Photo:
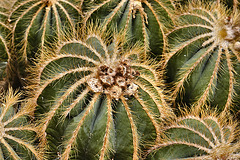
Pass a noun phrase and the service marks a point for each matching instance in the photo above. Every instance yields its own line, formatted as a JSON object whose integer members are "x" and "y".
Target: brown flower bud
{"x": 95, "y": 85}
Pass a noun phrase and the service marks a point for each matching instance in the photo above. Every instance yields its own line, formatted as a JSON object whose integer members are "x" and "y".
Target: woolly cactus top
{"x": 115, "y": 80}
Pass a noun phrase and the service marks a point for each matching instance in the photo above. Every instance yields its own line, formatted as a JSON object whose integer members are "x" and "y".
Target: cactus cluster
{"x": 119, "y": 79}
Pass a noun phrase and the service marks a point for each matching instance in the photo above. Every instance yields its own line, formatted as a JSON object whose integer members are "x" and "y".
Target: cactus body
{"x": 16, "y": 134}
{"x": 39, "y": 22}
{"x": 143, "y": 20}
{"x": 203, "y": 58}
{"x": 5, "y": 31}
{"x": 107, "y": 101}
{"x": 209, "y": 137}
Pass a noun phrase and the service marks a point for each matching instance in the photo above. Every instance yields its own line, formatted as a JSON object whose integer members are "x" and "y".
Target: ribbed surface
{"x": 209, "y": 137}
{"x": 40, "y": 22}
{"x": 84, "y": 122}
{"x": 16, "y": 134}
{"x": 142, "y": 20}
{"x": 203, "y": 58}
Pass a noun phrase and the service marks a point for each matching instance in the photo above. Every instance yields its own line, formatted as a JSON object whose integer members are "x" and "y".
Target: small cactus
{"x": 16, "y": 134}
{"x": 98, "y": 98}
{"x": 203, "y": 57}
{"x": 143, "y": 20}
{"x": 40, "y": 22}
{"x": 208, "y": 136}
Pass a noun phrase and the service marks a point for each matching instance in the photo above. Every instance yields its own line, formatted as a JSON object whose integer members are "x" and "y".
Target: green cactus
{"x": 16, "y": 134}
{"x": 143, "y": 20}
{"x": 5, "y": 31}
{"x": 203, "y": 57}
{"x": 98, "y": 98}
{"x": 209, "y": 137}
{"x": 39, "y": 22}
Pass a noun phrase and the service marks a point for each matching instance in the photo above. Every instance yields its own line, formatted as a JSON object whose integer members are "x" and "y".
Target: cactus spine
{"x": 16, "y": 134}
{"x": 143, "y": 20}
{"x": 208, "y": 137}
{"x": 101, "y": 91}
{"x": 203, "y": 55}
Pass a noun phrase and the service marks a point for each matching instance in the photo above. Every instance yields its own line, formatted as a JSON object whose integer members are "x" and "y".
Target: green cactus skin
{"x": 98, "y": 99}
{"x": 143, "y": 20}
{"x": 191, "y": 137}
{"x": 5, "y": 31}
{"x": 203, "y": 57}
{"x": 16, "y": 134}
{"x": 37, "y": 22}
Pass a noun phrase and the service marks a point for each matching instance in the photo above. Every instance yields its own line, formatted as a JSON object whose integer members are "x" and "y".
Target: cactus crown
{"x": 49, "y": 2}
{"x": 115, "y": 80}
{"x": 93, "y": 77}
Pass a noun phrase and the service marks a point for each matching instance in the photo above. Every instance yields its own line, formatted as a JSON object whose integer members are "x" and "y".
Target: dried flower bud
{"x": 237, "y": 46}
{"x": 120, "y": 81}
{"x": 131, "y": 89}
{"x": 116, "y": 92}
{"x": 95, "y": 85}
{"x": 111, "y": 72}
{"x": 103, "y": 70}
{"x": 106, "y": 79}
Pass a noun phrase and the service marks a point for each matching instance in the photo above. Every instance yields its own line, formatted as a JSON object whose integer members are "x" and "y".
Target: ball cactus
{"x": 203, "y": 57}
{"x": 16, "y": 134}
{"x": 37, "y": 22}
{"x": 108, "y": 100}
{"x": 208, "y": 137}
{"x": 142, "y": 19}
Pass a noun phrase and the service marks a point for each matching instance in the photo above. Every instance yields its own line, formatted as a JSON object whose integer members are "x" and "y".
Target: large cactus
{"x": 195, "y": 137}
{"x": 203, "y": 58}
{"x": 99, "y": 100}
{"x": 16, "y": 134}
{"x": 143, "y": 20}
{"x": 37, "y": 22}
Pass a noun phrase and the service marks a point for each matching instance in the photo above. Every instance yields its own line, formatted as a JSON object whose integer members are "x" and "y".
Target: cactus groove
{"x": 5, "y": 31}
{"x": 101, "y": 92}
{"x": 37, "y": 22}
{"x": 203, "y": 58}
{"x": 143, "y": 20}
{"x": 209, "y": 137}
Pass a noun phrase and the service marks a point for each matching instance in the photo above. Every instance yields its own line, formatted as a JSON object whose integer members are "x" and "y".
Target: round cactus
{"x": 16, "y": 134}
{"x": 143, "y": 20}
{"x": 37, "y": 22}
{"x": 98, "y": 98}
{"x": 208, "y": 137}
{"x": 203, "y": 57}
